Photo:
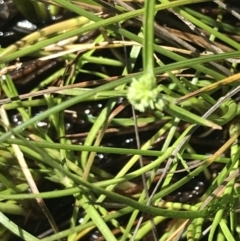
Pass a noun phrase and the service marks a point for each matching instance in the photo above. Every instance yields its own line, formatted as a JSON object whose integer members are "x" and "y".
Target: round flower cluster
{"x": 142, "y": 94}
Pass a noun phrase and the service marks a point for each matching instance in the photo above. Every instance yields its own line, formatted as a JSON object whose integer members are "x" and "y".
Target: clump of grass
{"x": 185, "y": 89}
